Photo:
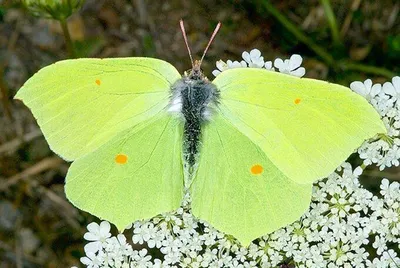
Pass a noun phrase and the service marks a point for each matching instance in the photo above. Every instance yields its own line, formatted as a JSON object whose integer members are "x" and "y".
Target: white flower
{"x": 291, "y": 66}
{"x": 222, "y": 66}
{"x": 379, "y": 244}
{"x": 391, "y": 257}
{"x": 156, "y": 239}
{"x": 393, "y": 89}
{"x": 98, "y": 235}
{"x": 254, "y": 58}
{"x": 268, "y": 66}
{"x": 236, "y": 64}
{"x": 241, "y": 254}
{"x": 141, "y": 258}
{"x": 357, "y": 171}
{"x": 366, "y": 89}
{"x": 92, "y": 261}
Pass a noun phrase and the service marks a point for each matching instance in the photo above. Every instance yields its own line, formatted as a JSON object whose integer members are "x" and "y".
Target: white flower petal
{"x": 268, "y": 65}
{"x": 358, "y": 171}
{"x": 295, "y": 61}
{"x": 396, "y": 82}
{"x": 246, "y": 56}
{"x": 389, "y": 89}
{"x": 91, "y": 236}
{"x": 143, "y": 252}
{"x": 105, "y": 229}
{"x": 299, "y": 72}
{"x": 93, "y": 227}
{"x": 286, "y": 63}
{"x": 255, "y": 54}
{"x": 92, "y": 247}
{"x": 221, "y": 65}
{"x": 375, "y": 90}
{"x": 121, "y": 239}
{"x": 235, "y": 64}
{"x": 368, "y": 84}
{"x": 359, "y": 88}
{"x": 86, "y": 261}
{"x": 216, "y": 72}
{"x": 278, "y": 63}
{"x": 151, "y": 243}
{"x": 258, "y": 63}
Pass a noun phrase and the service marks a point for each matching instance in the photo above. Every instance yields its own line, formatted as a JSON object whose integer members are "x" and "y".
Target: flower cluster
{"x": 385, "y": 150}
{"x": 335, "y": 232}
{"x": 253, "y": 59}
{"x": 346, "y": 225}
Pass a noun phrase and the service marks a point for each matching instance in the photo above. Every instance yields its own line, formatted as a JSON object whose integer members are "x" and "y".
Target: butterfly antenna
{"x": 211, "y": 39}
{"x": 186, "y": 42}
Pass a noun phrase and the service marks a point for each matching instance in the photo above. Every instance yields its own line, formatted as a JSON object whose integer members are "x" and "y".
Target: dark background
{"x": 38, "y": 227}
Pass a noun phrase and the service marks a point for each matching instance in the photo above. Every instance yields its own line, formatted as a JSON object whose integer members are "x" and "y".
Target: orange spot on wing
{"x": 297, "y": 101}
{"x": 121, "y": 159}
{"x": 256, "y": 169}
{"x": 98, "y": 82}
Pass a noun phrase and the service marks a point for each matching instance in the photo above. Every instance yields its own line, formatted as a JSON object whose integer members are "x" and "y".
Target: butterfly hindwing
{"x": 80, "y": 104}
{"x": 136, "y": 175}
{"x": 238, "y": 190}
{"x": 306, "y": 127}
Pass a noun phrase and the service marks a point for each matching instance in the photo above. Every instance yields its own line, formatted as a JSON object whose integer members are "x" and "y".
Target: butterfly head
{"x": 196, "y": 73}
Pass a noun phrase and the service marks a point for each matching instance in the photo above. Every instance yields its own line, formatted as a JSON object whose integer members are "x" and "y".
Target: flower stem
{"x": 330, "y": 16}
{"x": 352, "y": 66}
{"x": 67, "y": 36}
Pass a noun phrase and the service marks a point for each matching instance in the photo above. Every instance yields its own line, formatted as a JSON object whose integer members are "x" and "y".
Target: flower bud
{"x": 54, "y": 9}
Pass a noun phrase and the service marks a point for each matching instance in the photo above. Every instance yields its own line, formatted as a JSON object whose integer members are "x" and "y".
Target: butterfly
{"x": 247, "y": 146}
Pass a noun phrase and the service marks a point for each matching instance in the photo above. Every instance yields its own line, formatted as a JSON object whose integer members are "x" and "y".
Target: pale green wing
{"x": 136, "y": 175}
{"x": 231, "y": 194}
{"x": 80, "y": 104}
{"x": 306, "y": 127}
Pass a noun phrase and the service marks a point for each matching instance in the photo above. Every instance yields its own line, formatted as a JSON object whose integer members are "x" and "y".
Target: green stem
{"x": 297, "y": 32}
{"x": 67, "y": 36}
{"x": 381, "y": 174}
{"x": 321, "y": 52}
{"x": 352, "y": 66}
{"x": 330, "y": 16}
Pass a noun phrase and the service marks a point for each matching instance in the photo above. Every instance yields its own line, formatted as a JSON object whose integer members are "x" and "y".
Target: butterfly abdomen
{"x": 193, "y": 99}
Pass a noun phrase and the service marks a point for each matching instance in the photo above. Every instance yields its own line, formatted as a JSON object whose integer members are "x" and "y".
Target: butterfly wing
{"x": 306, "y": 127}
{"x": 135, "y": 175}
{"x": 80, "y": 104}
{"x": 238, "y": 190}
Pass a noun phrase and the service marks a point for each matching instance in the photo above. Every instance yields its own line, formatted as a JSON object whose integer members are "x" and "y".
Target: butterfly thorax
{"x": 194, "y": 98}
